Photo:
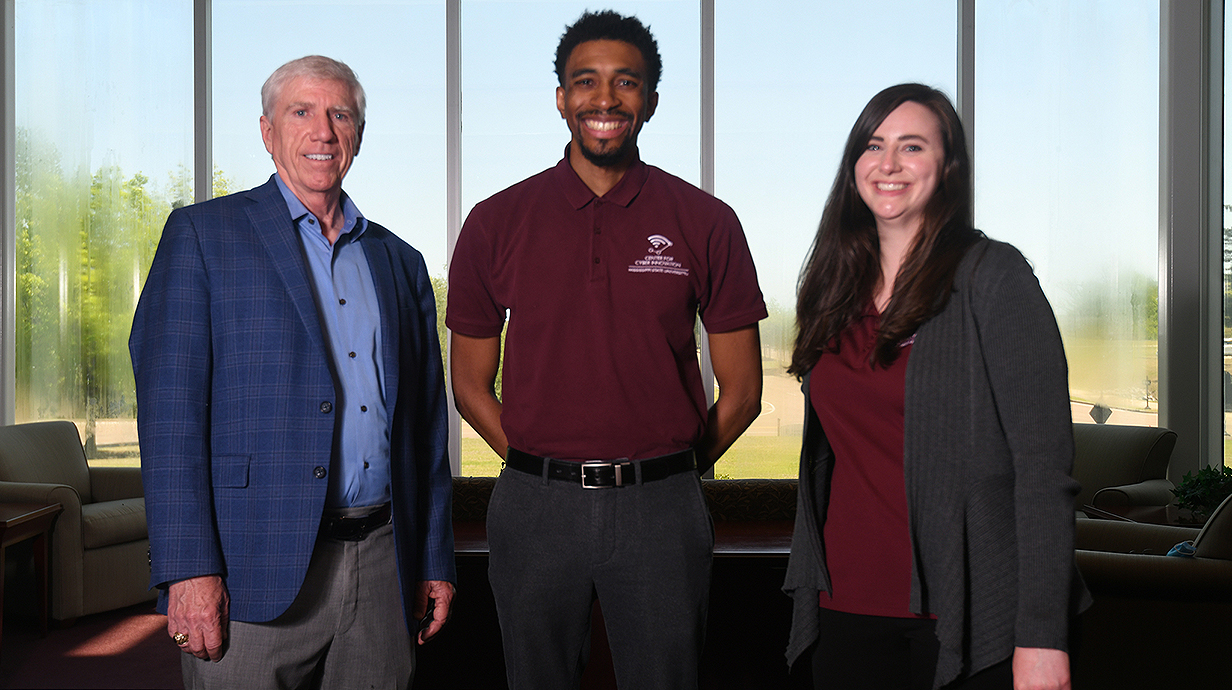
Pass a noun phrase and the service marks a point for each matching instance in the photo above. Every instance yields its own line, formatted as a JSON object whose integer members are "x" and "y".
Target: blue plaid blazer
{"x": 235, "y": 404}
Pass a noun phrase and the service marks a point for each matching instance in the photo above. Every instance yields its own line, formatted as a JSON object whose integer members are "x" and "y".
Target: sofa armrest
{"x": 1156, "y": 577}
{"x": 115, "y": 483}
{"x": 29, "y": 492}
{"x": 1152, "y": 492}
{"x": 1129, "y": 537}
{"x": 67, "y": 551}
{"x": 68, "y": 525}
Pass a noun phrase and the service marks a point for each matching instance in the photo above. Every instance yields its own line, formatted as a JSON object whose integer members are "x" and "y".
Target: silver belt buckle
{"x": 597, "y": 466}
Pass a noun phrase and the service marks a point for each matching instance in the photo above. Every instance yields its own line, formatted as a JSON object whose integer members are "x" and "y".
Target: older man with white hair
{"x": 291, "y": 411}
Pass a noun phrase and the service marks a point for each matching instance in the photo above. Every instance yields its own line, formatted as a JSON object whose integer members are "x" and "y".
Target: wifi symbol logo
{"x": 658, "y": 243}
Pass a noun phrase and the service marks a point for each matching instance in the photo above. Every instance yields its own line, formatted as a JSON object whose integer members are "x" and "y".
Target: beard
{"x": 612, "y": 158}
{"x": 609, "y": 158}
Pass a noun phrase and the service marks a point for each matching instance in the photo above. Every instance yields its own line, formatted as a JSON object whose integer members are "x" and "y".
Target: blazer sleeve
{"x": 431, "y": 451}
{"x": 171, "y": 354}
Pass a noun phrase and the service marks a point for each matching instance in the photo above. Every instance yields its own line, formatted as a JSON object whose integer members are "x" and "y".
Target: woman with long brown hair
{"x": 933, "y": 544}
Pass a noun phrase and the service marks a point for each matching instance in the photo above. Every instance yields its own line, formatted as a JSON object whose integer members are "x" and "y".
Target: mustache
{"x": 613, "y": 112}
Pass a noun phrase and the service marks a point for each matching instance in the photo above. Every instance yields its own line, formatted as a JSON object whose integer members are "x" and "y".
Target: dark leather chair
{"x": 1122, "y": 466}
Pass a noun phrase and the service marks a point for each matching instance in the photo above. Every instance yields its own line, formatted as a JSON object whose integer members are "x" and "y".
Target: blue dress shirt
{"x": 351, "y": 318}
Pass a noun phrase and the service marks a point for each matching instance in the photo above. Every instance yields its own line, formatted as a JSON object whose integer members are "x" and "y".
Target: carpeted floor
{"x": 127, "y": 648}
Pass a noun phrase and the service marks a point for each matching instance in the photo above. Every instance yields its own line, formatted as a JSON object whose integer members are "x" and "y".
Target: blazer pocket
{"x": 230, "y": 471}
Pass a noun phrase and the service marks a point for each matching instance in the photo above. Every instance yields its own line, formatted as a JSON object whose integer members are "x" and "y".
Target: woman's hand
{"x": 1038, "y": 668}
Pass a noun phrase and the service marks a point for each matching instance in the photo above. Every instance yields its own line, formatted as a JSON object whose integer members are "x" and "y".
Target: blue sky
{"x": 1067, "y": 113}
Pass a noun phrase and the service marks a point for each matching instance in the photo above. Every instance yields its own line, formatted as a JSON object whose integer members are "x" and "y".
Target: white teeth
{"x": 890, "y": 187}
{"x": 603, "y": 126}
{"x": 319, "y": 156}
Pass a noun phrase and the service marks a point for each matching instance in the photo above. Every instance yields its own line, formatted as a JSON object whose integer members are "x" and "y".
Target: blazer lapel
{"x": 271, "y": 221}
{"x": 380, "y": 263}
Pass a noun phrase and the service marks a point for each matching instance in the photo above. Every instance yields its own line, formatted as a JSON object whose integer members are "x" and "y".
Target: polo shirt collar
{"x": 578, "y": 194}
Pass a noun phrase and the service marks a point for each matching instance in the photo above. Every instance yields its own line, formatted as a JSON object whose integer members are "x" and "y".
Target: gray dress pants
{"x": 345, "y": 630}
{"x": 645, "y": 550}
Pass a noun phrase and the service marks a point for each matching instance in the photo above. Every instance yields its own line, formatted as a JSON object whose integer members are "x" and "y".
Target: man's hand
{"x": 198, "y": 607}
{"x": 1037, "y": 668}
{"x": 438, "y": 592}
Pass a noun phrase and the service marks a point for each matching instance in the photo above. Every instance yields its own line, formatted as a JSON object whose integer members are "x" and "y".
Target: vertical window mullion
{"x": 706, "y": 146}
{"x": 966, "y": 71}
{"x": 203, "y": 105}
{"x": 453, "y": 188}
{"x": 8, "y": 215}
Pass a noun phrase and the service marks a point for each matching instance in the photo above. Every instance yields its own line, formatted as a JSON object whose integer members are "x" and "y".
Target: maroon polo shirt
{"x": 600, "y": 357}
{"x": 866, "y": 533}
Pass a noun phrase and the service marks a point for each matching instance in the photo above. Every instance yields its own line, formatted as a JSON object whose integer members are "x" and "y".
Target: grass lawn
{"x": 478, "y": 459}
{"x": 749, "y": 457}
{"x": 760, "y": 457}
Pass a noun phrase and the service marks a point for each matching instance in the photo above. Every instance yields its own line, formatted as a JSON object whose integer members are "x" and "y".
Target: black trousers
{"x": 645, "y": 551}
{"x": 856, "y": 652}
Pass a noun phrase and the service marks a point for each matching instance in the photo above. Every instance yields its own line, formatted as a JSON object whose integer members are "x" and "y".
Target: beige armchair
{"x": 1122, "y": 466}
{"x": 100, "y": 545}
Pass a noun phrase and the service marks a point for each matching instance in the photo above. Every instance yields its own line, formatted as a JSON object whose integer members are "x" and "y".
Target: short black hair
{"x": 611, "y": 26}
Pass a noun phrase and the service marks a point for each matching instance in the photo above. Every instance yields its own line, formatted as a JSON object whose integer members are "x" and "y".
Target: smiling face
{"x": 605, "y": 102}
{"x": 313, "y": 134}
{"x": 900, "y": 168}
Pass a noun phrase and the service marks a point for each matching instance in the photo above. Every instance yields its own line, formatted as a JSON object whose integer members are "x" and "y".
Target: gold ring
{"x": 180, "y": 638}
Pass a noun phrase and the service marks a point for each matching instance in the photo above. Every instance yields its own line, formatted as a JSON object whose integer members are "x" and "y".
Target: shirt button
{"x": 596, "y": 259}
{"x": 327, "y": 407}
{"x": 351, "y": 355}
{"x": 318, "y": 472}
{"x": 363, "y": 408}
{"x": 342, "y": 301}
{"x": 365, "y": 465}
{"x": 312, "y": 221}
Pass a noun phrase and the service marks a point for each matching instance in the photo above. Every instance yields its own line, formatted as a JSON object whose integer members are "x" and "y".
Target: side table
{"x": 21, "y": 521}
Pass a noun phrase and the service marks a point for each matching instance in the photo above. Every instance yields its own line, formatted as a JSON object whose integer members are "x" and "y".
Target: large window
{"x": 397, "y": 49}
{"x": 1064, "y": 103}
{"x": 789, "y": 85}
{"x": 1067, "y": 170}
{"x": 103, "y": 113}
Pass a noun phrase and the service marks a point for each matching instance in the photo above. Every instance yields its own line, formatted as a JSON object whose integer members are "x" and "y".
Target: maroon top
{"x": 866, "y": 537}
{"x": 600, "y": 359}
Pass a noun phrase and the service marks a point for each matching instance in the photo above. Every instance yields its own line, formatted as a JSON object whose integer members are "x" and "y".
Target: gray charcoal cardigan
{"x": 988, "y": 446}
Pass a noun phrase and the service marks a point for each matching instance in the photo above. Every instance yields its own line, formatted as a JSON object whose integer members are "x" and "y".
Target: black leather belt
{"x": 355, "y": 528}
{"x": 603, "y": 474}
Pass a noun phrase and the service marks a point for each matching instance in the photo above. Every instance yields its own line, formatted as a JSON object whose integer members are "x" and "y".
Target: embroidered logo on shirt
{"x": 658, "y": 243}
{"x": 656, "y": 262}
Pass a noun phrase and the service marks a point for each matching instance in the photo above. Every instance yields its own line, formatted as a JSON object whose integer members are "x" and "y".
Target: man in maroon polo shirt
{"x": 603, "y": 264}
